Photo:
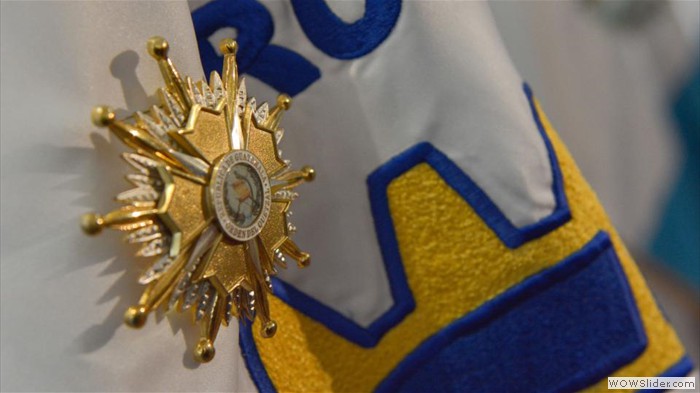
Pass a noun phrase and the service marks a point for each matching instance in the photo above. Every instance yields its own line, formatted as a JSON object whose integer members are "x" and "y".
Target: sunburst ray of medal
{"x": 211, "y": 197}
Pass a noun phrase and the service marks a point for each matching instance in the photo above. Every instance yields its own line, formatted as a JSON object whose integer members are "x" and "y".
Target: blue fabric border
{"x": 366, "y": 337}
{"x": 496, "y": 307}
{"x": 512, "y": 236}
{"x": 377, "y": 183}
{"x": 253, "y": 363}
{"x": 561, "y": 213}
{"x": 404, "y": 304}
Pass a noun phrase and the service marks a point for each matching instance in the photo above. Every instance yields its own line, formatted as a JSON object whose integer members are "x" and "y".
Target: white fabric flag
{"x": 63, "y": 294}
{"x": 608, "y": 88}
{"x": 442, "y": 75}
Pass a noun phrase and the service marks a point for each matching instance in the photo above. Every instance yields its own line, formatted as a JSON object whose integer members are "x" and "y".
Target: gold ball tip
{"x": 305, "y": 260}
{"x": 102, "y": 116}
{"x": 309, "y": 173}
{"x": 136, "y": 316}
{"x": 269, "y": 329}
{"x": 284, "y": 101}
{"x": 158, "y": 47}
{"x": 91, "y": 223}
{"x": 228, "y": 46}
{"x": 204, "y": 352}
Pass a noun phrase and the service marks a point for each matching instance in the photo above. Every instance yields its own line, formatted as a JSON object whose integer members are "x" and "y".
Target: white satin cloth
{"x": 441, "y": 76}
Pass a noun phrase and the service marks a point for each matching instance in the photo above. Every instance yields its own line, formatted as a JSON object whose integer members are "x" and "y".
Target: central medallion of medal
{"x": 240, "y": 194}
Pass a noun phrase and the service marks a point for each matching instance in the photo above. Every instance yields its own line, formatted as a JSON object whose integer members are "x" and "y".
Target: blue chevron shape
{"x": 377, "y": 183}
{"x": 560, "y": 330}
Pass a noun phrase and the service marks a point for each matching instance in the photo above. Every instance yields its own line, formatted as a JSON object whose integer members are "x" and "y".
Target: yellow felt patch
{"x": 454, "y": 263}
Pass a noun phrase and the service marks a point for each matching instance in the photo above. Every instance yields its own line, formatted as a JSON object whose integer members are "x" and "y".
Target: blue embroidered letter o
{"x": 347, "y": 41}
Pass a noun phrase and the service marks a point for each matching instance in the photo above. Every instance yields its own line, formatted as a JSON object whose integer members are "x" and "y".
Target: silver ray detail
{"x": 198, "y": 96}
{"x": 195, "y": 165}
{"x": 145, "y": 234}
{"x": 141, "y": 180}
{"x": 287, "y": 195}
{"x": 268, "y": 281}
{"x": 229, "y": 309}
{"x": 280, "y": 259}
{"x": 154, "y": 128}
{"x": 157, "y": 270}
{"x": 217, "y": 87}
{"x": 165, "y": 120}
{"x": 190, "y": 296}
{"x": 205, "y": 301}
{"x": 204, "y": 243}
{"x": 173, "y": 107}
{"x": 153, "y": 248}
{"x": 236, "y": 133}
{"x": 209, "y": 98}
{"x": 148, "y": 184}
{"x": 252, "y": 104}
{"x": 141, "y": 163}
{"x": 241, "y": 96}
{"x": 138, "y": 194}
{"x": 279, "y": 134}
{"x": 244, "y": 301}
{"x": 262, "y": 112}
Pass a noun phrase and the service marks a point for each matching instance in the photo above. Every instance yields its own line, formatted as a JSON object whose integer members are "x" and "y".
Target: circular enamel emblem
{"x": 240, "y": 194}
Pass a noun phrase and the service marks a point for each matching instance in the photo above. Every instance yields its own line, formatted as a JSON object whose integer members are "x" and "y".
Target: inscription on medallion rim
{"x": 218, "y": 194}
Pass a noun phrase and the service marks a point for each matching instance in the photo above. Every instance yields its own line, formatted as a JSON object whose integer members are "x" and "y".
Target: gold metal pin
{"x": 210, "y": 201}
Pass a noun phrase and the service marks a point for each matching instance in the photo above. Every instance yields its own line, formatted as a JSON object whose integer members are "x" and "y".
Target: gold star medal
{"x": 211, "y": 197}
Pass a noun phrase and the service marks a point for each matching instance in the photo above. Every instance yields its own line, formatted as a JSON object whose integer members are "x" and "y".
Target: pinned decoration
{"x": 211, "y": 197}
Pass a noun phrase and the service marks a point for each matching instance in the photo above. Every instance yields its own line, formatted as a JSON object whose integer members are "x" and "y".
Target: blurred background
{"x": 620, "y": 81}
